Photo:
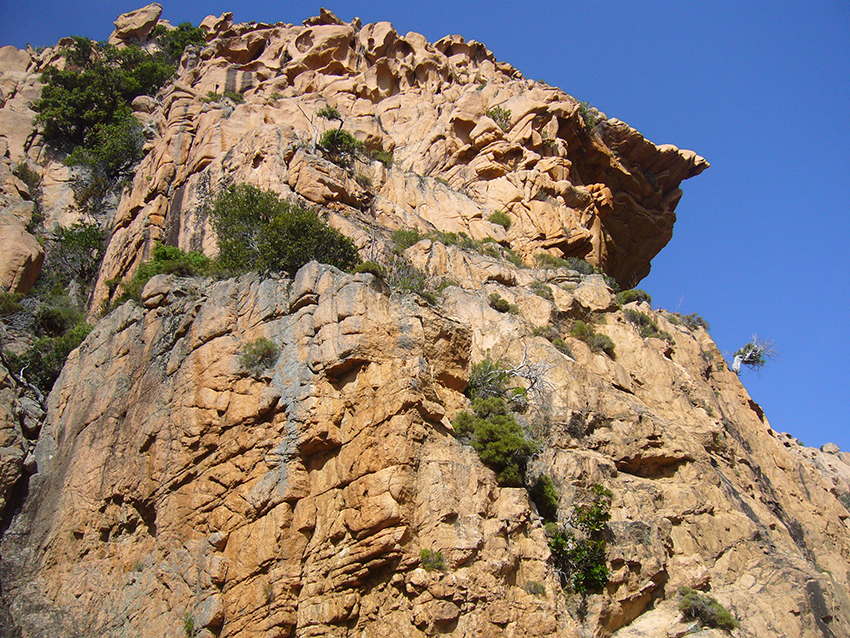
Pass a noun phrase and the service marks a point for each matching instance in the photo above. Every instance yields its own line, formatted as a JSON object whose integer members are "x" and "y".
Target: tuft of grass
{"x": 542, "y": 290}
{"x": 404, "y": 238}
{"x": 535, "y": 588}
{"x": 330, "y": 113}
{"x": 597, "y": 342}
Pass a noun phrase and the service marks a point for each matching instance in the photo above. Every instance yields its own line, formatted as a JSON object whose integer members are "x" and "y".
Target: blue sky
{"x": 760, "y": 89}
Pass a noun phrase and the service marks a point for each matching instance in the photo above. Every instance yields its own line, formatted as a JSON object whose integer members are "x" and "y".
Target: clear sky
{"x": 760, "y": 89}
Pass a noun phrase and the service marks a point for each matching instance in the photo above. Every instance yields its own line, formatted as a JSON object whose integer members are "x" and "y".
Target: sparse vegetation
{"x": 10, "y": 303}
{"x": 706, "y": 609}
{"x": 372, "y": 268}
{"x": 259, "y": 355}
{"x": 598, "y": 342}
{"x": 404, "y": 238}
{"x": 646, "y": 326}
{"x": 384, "y": 157}
{"x": 692, "y": 321}
{"x": 500, "y": 304}
{"x": 542, "y": 290}
{"x": 754, "y": 355}
{"x": 535, "y": 588}
{"x": 501, "y": 116}
{"x": 590, "y": 119}
{"x": 545, "y": 260}
{"x": 340, "y": 147}
{"x": 634, "y": 294}
{"x": 165, "y": 260}
{"x": 43, "y": 361}
{"x": 501, "y": 218}
{"x": 432, "y": 561}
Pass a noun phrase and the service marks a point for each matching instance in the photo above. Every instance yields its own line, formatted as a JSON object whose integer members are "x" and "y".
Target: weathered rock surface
{"x": 172, "y": 492}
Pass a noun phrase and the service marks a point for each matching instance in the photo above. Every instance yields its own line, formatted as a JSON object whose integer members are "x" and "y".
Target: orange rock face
{"x": 173, "y": 489}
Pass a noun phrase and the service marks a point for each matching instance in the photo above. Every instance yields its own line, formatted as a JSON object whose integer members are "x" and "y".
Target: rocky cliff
{"x": 164, "y": 489}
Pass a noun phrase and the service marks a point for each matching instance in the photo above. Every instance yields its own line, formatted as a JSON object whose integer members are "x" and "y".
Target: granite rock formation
{"x": 166, "y": 488}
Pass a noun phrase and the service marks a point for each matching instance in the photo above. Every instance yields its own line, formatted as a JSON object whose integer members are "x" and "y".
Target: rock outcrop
{"x": 176, "y": 489}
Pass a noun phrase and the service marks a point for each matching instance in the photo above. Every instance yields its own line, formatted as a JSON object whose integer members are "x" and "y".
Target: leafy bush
{"x": 500, "y": 304}
{"x": 96, "y": 89}
{"x": 340, "y": 147}
{"x": 42, "y": 363}
{"x": 500, "y": 441}
{"x": 404, "y": 238}
{"x": 172, "y": 42}
{"x": 635, "y": 294}
{"x": 706, "y": 609}
{"x": 330, "y": 113}
{"x": 258, "y": 231}
{"x": 259, "y": 355}
{"x": 432, "y": 561}
{"x": 502, "y": 117}
{"x": 578, "y": 551}
{"x": 563, "y": 346}
{"x": 545, "y": 496}
{"x": 487, "y": 379}
{"x": 501, "y": 218}
{"x": 445, "y": 283}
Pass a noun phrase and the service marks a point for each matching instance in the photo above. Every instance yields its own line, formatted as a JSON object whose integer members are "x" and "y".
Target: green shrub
{"x": 500, "y": 304}
{"x": 340, "y": 147}
{"x": 502, "y": 117}
{"x": 501, "y": 218}
{"x": 461, "y": 240}
{"x": 643, "y": 322}
{"x": 602, "y": 343}
{"x": 693, "y": 321}
{"x": 33, "y": 181}
{"x": 542, "y": 290}
{"x": 384, "y": 157}
{"x": 547, "y": 332}
{"x": 487, "y": 379}
{"x": 372, "y": 268}
{"x": 404, "y": 277}
{"x": 172, "y": 42}
{"x": 432, "y": 561}
{"x": 563, "y": 346}
{"x": 535, "y": 588}
{"x": 443, "y": 181}
{"x": 258, "y": 231}
{"x": 635, "y": 294}
{"x": 43, "y": 361}
{"x": 404, "y": 238}
{"x": 597, "y": 342}
{"x": 330, "y": 113}
{"x": 545, "y": 496}
{"x": 188, "y": 624}
{"x": 166, "y": 260}
{"x": 500, "y": 441}
{"x": 579, "y": 553}
{"x": 259, "y": 355}
{"x": 588, "y": 116}
{"x": 706, "y": 609}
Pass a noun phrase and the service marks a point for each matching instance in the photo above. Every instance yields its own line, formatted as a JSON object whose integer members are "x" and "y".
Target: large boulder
{"x": 136, "y": 25}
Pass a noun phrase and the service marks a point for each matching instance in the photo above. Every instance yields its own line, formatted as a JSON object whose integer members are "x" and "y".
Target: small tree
{"x": 753, "y": 355}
